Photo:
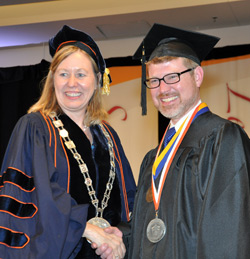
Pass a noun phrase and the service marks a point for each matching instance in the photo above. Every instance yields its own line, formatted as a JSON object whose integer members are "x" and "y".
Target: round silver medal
{"x": 100, "y": 222}
{"x": 156, "y": 230}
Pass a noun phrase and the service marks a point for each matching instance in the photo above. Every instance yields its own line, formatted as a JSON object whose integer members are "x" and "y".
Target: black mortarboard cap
{"x": 163, "y": 40}
{"x": 70, "y": 36}
{"x": 193, "y": 45}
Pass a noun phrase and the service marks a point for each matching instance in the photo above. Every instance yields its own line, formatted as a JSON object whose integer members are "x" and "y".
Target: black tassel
{"x": 143, "y": 86}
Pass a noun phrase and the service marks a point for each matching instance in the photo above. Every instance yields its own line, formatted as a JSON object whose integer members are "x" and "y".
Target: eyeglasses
{"x": 169, "y": 79}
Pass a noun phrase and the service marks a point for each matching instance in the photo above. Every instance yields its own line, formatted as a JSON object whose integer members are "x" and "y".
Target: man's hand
{"x": 107, "y": 242}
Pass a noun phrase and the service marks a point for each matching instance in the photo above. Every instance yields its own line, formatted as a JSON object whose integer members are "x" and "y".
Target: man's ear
{"x": 198, "y": 75}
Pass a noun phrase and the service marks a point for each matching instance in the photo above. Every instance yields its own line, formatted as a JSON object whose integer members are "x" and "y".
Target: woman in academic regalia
{"x": 65, "y": 176}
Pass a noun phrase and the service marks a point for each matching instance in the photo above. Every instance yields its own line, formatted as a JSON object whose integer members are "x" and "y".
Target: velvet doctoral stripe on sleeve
{"x": 38, "y": 217}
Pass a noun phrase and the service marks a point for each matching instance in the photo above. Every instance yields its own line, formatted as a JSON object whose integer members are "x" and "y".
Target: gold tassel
{"x": 106, "y": 82}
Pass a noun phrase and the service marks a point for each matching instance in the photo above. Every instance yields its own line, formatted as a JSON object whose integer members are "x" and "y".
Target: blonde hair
{"x": 47, "y": 103}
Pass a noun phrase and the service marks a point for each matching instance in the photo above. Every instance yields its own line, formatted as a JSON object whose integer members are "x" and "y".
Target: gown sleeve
{"x": 223, "y": 230}
{"x": 38, "y": 217}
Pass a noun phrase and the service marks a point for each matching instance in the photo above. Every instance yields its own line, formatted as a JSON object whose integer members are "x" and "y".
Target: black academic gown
{"x": 205, "y": 202}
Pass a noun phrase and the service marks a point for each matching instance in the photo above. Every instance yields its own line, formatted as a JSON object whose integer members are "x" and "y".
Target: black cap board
{"x": 183, "y": 43}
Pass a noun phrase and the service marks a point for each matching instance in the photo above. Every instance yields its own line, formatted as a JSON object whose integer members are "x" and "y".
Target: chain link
{"x": 83, "y": 167}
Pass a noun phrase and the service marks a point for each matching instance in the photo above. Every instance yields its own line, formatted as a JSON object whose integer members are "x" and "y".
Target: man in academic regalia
{"x": 193, "y": 197}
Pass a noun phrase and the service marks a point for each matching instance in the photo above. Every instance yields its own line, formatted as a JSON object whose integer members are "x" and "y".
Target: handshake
{"x": 107, "y": 241}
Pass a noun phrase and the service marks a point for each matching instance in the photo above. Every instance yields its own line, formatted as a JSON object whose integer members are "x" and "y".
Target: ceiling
{"x": 25, "y": 22}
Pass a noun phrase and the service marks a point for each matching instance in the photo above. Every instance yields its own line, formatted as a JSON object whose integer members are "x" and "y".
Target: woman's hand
{"x": 108, "y": 242}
